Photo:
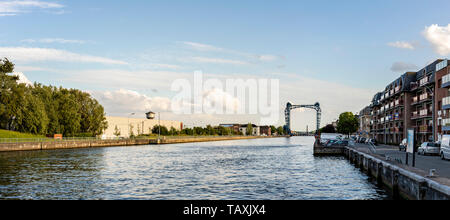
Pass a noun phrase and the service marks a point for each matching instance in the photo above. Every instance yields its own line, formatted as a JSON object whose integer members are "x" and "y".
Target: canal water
{"x": 261, "y": 169}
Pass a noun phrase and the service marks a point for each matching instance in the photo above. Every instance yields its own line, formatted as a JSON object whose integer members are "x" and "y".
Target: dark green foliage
{"x": 40, "y": 109}
{"x": 347, "y": 124}
{"x": 281, "y": 131}
{"x": 249, "y": 130}
{"x": 164, "y": 130}
{"x": 328, "y": 129}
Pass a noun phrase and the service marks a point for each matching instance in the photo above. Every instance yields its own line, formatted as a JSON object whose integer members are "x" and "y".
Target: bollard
{"x": 395, "y": 188}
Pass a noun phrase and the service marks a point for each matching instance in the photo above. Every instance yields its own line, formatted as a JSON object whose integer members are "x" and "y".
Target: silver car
{"x": 429, "y": 148}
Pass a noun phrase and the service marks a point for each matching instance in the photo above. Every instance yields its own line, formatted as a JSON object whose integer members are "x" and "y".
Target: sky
{"x": 128, "y": 53}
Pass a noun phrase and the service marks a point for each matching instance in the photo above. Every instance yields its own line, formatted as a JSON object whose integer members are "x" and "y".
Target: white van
{"x": 445, "y": 147}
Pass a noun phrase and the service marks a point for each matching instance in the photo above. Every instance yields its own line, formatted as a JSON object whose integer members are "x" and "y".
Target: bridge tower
{"x": 290, "y": 107}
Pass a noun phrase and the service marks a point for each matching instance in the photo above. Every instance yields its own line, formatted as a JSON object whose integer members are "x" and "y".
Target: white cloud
{"x": 202, "y": 47}
{"x": 124, "y": 101}
{"x": 163, "y": 66}
{"x": 54, "y": 40}
{"x": 267, "y": 58}
{"x": 218, "y": 97}
{"x": 210, "y": 48}
{"x": 11, "y": 8}
{"x": 218, "y": 61}
{"x": 402, "y": 45}
{"x": 26, "y": 54}
{"x": 22, "y": 78}
{"x": 439, "y": 37}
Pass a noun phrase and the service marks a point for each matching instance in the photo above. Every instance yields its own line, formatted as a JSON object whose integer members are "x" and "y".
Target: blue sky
{"x": 345, "y": 45}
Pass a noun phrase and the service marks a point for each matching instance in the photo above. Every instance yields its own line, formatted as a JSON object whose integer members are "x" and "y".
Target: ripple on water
{"x": 258, "y": 169}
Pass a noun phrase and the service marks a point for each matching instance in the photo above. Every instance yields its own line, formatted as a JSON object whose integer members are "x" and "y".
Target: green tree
{"x": 347, "y": 124}
{"x": 328, "y": 129}
{"x": 280, "y": 131}
{"x": 46, "y": 109}
{"x": 210, "y": 130}
{"x": 273, "y": 129}
{"x": 249, "y": 130}
{"x": 173, "y": 131}
{"x": 131, "y": 132}
{"x": 223, "y": 131}
{"x": 34, "y": 117}
{"x": 164, "y": 130}
{"x": 116, "y": 131}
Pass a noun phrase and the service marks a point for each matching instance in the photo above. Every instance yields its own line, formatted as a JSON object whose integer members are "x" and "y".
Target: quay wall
{"x": 52, "y": 145}
{"x": 320, "y": 150}
{"x": 403, "y": 183}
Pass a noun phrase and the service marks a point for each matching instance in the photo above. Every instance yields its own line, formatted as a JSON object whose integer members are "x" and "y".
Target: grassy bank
{"x": 14, "y": 134}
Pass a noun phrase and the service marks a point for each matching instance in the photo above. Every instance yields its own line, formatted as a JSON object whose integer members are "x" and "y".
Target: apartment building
{"x": 442, "y": 105}
{"x": 410, "y": 102}
{"x": 365, "y": 117}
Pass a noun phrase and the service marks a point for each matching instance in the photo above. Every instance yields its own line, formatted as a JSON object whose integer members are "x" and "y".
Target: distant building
{"x": 265, "y": 130}
{"x": 136, "y": 126}
{"x": 233, "y": 127}
{"x": 255, "y": 130}
{"x": 365, "y": 117}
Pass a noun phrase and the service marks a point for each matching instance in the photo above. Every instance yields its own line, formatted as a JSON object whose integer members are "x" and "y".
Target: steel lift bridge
{"x": 290, "y": 107}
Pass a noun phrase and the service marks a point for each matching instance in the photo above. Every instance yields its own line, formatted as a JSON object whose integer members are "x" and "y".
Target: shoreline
{"x": 74, "y": 144}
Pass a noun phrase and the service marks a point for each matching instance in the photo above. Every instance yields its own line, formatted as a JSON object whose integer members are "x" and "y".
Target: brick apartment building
{"x": 408, "y": 102}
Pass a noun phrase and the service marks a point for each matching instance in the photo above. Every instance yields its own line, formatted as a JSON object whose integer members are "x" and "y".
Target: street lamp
{"x": 151, "y": 115}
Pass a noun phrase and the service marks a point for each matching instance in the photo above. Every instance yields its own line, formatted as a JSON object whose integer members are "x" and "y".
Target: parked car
{"x": 362, "y": 140}
{"x": 428, "y": 148}
{"x": 445, "y": 147}
{"x": 341, "y": 143}
{"x": 403, "y": 145}
{"x": 331, "y": 142}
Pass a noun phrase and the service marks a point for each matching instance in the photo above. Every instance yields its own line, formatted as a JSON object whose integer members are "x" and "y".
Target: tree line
{"x": 209, "y": 130}
{"x": 47, "y": 110}
{"x": 347, "y": 124}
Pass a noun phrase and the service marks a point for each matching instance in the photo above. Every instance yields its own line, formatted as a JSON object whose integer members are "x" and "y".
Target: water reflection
{"x": 245, "y": 169}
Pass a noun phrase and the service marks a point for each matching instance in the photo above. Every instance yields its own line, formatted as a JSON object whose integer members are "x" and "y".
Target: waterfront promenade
{"x": 422, "y": 166}
{"x": 405, "y": 181}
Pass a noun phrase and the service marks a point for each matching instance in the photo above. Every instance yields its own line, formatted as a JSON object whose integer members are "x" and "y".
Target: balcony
{"x": 446, "y": 124}
{"x": 446, "y": 103}
{"x": 424, "y": 113}
{"x": 424, "y": 97}
{"x": 398, "y": 103}
{"x": 425, "y": 81}
{"x": 415, "y": 100}
{"x": 446, "y": 81}
{"x": 397, "y": 89}
{"x": 425, "y": 129}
